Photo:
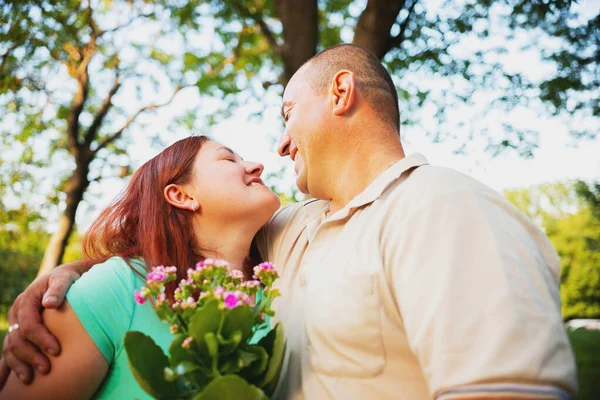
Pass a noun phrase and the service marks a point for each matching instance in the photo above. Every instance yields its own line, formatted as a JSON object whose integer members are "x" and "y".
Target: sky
{"x": 558, "y": 158}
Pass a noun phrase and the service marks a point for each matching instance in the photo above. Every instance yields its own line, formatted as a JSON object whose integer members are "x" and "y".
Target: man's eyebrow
{"x": 233, "y": 153}
{"x": 283, "y": 106}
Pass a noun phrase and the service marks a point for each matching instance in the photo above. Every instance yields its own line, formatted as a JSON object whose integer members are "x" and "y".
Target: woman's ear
{"x": 343, "y": 87}
{"x": 178, "y": 197}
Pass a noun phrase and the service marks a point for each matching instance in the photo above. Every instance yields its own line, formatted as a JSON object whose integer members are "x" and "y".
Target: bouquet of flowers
{"x": 214, "y": 317}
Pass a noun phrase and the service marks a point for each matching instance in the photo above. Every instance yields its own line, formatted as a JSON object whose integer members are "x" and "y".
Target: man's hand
{"x": 21, "y": 348}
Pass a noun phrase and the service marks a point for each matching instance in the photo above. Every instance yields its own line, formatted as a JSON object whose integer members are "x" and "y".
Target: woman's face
{"x": 229, "y": 188}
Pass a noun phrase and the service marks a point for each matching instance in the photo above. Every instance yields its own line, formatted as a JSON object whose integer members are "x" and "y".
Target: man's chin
{"x": 301, "y": 184}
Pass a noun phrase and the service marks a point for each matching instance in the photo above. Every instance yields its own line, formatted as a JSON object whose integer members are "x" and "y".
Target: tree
{"x": 421, "y": 44}
{"x": 569, "y": 215}
{"x": 82, "y": 125}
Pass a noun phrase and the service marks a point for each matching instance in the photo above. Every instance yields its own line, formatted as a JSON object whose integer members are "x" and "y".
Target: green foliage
{"x": 62, "y": 69}
{"x": 205, "y": 371}
{"x": 218, "y": 352}
{"x": 230, "y": 387}
{"x": 274, "y": 342}
{"x": 586, "y": 346}
{"x": 148, "y": 362}
{"x": 89, "y": 51}
{"x": 23, "y": 239}
{"x": 22, "y": 243}
{"x": 3, "y": 328}
{"x": 251, "y": 54}
{"x": 568, "y": 213}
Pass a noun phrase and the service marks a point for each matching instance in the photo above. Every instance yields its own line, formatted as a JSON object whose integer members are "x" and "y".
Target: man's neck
{"x": 363, "y": 161}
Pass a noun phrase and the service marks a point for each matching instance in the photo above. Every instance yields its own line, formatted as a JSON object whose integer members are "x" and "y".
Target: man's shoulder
{"x": 297, "y": 212}
{"x": 429, "y": 184}
{"x": 286, "y": 225}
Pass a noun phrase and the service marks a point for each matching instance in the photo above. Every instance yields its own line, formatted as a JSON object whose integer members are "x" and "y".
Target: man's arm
{"x": 21, "y": 348}
{"x": 476, "y": 290}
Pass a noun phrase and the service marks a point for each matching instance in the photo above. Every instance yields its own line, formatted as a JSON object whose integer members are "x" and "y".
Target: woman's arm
{"x": 21, "y": 348}
{"x": 76, "y": 374}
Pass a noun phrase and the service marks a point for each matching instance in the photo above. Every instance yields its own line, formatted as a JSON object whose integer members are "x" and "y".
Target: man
{"x": 400, "y": 280}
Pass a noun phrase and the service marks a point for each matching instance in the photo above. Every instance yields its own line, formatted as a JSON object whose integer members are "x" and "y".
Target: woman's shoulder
{"x": 115, "y": 270}
{"x": 112, "y": 281}
{"x": 121, "y": 265}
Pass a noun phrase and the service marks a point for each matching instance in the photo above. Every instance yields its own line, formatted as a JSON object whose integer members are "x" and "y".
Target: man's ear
{"x": 178, "y": 197}
{"x": 343, "y": 91}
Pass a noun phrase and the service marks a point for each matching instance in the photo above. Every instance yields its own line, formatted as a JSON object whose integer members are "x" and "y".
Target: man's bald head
{"x": 374, "y": 81}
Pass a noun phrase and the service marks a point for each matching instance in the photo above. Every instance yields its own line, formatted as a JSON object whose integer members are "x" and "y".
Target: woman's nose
{"x": 253, "y": 168}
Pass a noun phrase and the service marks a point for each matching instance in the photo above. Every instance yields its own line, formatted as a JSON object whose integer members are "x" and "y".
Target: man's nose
{"x": 283, "y": 147}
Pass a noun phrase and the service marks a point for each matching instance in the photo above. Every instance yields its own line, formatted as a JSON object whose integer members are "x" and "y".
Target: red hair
{"x": 140, "y": 223}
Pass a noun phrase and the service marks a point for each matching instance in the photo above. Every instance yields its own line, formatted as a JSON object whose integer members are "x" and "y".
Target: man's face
{"x": 305, "y": 114}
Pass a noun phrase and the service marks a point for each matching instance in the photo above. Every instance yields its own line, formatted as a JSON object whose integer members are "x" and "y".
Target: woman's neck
{"x": 237, "y": 255}
{"x": 226, "y": 242}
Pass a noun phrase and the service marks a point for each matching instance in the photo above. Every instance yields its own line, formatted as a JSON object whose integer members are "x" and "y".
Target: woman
{"x": 196, "y": 199}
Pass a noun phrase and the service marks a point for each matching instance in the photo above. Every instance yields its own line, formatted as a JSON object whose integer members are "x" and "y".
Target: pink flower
{"x": 266, "y": 266}
{"x": 237, "y": 274}
{"x": 231, "y": 301}
{"x": 218, "y": 291}
{"x": 187, "y": 342}
{"x": 157, "y": 276}
{"x": 243, "y": 297}
{"x": 188, "y": 303}
{"x": 160, "y": 299}
{"x": 174, "y": 328}
{"x": 139, "y": 297}
{"x": 250, "y": 284}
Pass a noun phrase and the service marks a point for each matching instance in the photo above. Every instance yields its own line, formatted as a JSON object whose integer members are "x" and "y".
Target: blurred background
{"x": 504, "y": 90}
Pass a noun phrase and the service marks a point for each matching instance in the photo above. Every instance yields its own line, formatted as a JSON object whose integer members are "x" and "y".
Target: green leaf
{"x": 229, "y": 345}
{"x": 212, "y": 344}
{"x": 178, "y": 354}
{"x": 274, "y": 343}
{"x": 259, "y": 361}
{"x": 239, "y": 319}
{"x": 249, "y": 362}
{"x": 230, "y": 387}
{"x": 148, "y": 362}
{"x": 187, "y": 367}
{"x": 205, "y": 319}
{"x": 235, "y": 362}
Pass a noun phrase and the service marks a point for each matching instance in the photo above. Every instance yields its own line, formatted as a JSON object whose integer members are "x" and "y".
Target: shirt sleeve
{"x": 477, "y": 290}
{"x": 103, "y": 302}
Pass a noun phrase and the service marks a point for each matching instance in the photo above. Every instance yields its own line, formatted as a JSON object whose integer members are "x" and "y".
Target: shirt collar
{"x": 389, "y": 176}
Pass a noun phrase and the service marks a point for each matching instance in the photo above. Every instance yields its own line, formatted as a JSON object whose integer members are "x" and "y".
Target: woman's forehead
{"x": 212, "y": 147}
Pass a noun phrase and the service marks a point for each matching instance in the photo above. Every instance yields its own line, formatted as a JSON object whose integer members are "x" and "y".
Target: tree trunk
{"x": 300, "y": 31}
{"x": 374, "y": 24}
{"x": 76, "y": 186}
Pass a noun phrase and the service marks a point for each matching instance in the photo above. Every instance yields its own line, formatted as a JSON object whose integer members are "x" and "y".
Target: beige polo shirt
{"x": 427, "y": 284}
